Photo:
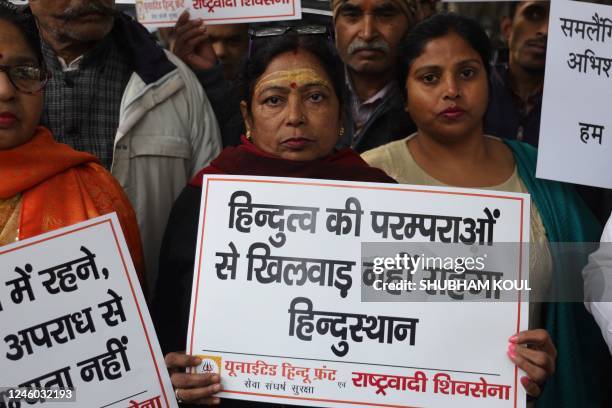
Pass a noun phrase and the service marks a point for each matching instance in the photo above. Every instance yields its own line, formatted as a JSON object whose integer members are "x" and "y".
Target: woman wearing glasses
{"x": 291, "y": 87}
{"x": 445, "y": 72}
{"x": 44, "y": 185}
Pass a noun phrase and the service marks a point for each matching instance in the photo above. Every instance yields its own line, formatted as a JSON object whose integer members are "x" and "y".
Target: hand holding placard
{"x": 192, "y": 388}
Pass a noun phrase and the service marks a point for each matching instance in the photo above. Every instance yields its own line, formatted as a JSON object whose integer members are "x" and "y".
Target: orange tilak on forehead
{"x": 292, "y": 78}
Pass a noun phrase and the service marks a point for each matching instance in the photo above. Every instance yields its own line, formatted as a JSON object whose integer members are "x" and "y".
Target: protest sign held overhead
{"x": 165, "y": 13}
{"x": 74, "y": 323}
{"x": 286, "y": 321}
{"x": 575, "y": 144}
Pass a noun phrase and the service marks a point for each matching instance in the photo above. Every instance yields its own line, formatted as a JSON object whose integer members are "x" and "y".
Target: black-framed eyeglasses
{"x": 26, "y": 78}
{"x": 263, "y": 32}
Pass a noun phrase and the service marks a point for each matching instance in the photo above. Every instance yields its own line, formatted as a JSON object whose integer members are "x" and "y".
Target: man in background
{"x": 214, "y": 53}
{"x": 230, "y": 43}
{"x": 114, "y": 93}
{"x": 368, "y": 35}
{"x": 515, "y": 98}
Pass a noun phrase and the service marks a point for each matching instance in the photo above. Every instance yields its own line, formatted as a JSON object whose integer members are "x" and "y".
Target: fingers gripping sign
{"x": 533, "y": 352}
{"x": 192, "y": 388}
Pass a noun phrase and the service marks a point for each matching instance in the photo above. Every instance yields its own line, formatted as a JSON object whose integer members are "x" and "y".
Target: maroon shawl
{"x": 248, "y": 160}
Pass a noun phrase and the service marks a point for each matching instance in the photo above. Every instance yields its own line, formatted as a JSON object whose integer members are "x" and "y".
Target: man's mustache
{"x": 376, "y": 45}
{"x": 91, "y": 7}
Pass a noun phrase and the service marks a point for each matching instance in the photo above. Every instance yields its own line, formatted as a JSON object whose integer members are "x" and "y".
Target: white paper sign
{"x": 159, "y": 13}
{"x": 73, "y": 318}
{"x": 275, "y": 253}
{"x": 165, "y": 13}
{"x": 576, "y": 128}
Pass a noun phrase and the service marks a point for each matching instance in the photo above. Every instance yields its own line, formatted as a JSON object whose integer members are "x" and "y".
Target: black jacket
{"x": 389, "y": 122}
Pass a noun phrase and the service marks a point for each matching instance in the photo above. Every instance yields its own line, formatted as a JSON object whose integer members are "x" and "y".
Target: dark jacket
{"x": 388, "y": 122}
{"x": 504, "y": 117}
{"x": 225, "y": 102}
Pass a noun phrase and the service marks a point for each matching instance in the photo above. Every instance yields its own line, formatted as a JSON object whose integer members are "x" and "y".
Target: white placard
{"x": 159, "y": 13}
{"x": 165, "y": 13}
{"x": 246, "y": 324}
{"x": 576, "y": 127}
{"x": 72, "y": 315}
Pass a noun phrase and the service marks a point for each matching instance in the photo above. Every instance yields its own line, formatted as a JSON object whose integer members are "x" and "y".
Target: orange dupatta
{"x": 60, "y": 187}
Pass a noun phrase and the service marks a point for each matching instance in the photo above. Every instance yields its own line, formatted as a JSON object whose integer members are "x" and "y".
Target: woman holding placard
{"x": 292, "y": 87}
{"x": 445, "y": 70}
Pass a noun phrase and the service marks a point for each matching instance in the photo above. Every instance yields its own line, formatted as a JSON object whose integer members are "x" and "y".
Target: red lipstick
{"x": 7, "y": 120}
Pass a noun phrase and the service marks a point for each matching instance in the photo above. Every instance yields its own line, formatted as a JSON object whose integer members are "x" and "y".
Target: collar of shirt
{"x": 93, "y": 56}
{"x": 73, "y": 66}
{"x": 361, "y": 111}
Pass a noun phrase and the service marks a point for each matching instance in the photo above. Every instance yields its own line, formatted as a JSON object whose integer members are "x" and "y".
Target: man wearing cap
{"x": 368, "y": 34}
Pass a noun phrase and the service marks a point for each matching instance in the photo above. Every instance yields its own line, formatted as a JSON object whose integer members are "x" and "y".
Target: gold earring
{"x": 248, "y": 135}
{"x": 341, "y": 132}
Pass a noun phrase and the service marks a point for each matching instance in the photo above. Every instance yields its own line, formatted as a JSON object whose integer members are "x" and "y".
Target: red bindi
{"x": 293, "y": 85}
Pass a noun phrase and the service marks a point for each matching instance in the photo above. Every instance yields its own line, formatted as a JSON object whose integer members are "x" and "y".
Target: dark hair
{"x": 264, "y": 50}
{"x": 438, "y": 26}
{"x": 25, "y": 23}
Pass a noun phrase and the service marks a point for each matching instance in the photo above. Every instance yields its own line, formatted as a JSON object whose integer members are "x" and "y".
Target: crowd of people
{"x": 96, "y": 117}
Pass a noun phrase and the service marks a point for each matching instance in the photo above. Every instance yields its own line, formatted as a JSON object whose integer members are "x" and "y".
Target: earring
{"x": 248, "y": 135}
{"x": 341, "y": 131}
